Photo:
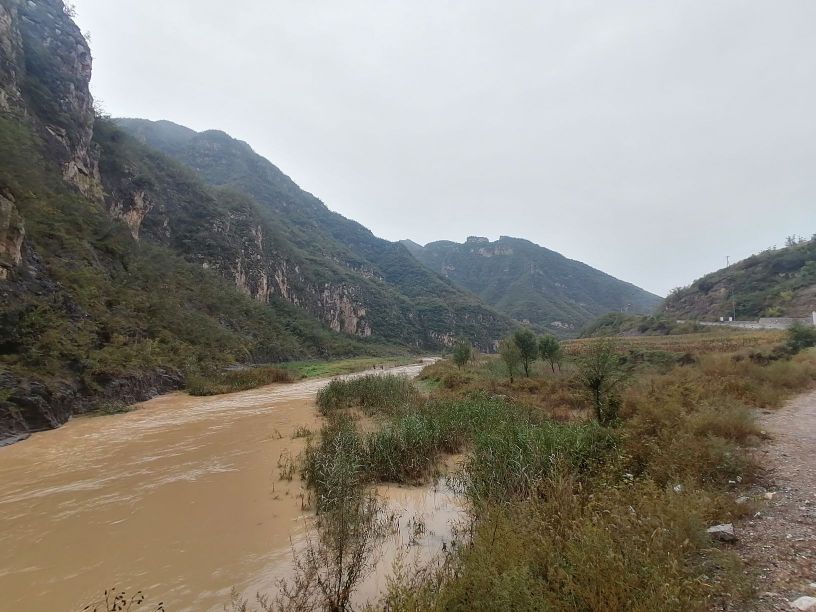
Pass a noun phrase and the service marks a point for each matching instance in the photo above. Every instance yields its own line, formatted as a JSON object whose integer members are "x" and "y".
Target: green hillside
{"x": 91, "y": 314}
{"x": 403, "y": 300}
{"x": 774, "y": 283}
{"x": 532, "y": 283}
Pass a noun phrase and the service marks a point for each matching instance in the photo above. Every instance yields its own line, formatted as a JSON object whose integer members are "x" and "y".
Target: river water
{"x": 181, "y": 498}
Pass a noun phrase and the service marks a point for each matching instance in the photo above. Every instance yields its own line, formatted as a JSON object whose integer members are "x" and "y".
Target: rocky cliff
{"x": 44, "y": 76}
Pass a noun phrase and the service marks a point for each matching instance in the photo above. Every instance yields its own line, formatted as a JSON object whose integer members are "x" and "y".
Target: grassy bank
{"x": 230, "y": 381}
{"x": 320, "y": 369}
{"x": 567, "y": 513}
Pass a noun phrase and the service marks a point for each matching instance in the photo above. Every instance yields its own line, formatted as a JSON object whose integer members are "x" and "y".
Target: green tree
{"x": 462, "y": 353}
{"x": 549, "y": 349}
{"x": 800, "y": 336}
{"x": 601, "y": 373}
{"x": 511, "y": 356}
{"x": 528, "y": 347}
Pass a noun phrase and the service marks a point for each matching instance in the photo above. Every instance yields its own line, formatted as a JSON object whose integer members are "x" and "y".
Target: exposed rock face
{"x": 133, "y": 212}
{"x": 34, "y": 406}
{"x": 10, "y": 45}
{"x": 446, "y": 340}
{"x": 12, "y": 234}
{"x": 344, "y": 313}
{"x": 44, "y": 74}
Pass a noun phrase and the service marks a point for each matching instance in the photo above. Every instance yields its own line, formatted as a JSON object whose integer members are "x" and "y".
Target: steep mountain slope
{"x": 121, "y": 270}
{"x": 774, "y": 283}
{"x": 331, "y": 266}
{"x": 528, "y": 282}
{"x": 88, "y": 313}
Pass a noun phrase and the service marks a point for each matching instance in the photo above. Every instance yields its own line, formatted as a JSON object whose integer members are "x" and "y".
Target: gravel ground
{"x": 779, "y": 544}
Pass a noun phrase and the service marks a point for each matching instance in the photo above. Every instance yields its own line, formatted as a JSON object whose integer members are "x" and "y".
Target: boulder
{"x": 723, "y": 533}
{"x": 804, "y": 603}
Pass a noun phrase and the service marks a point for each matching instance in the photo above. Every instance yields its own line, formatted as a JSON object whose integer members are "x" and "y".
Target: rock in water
{"x": 804, "y": 603}
{"x": 723, "y": 533}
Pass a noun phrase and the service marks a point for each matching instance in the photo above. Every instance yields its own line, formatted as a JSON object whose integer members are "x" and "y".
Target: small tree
{"x": 601, "y": 372}
{"x": 549, "y": 348}
{"x": 462, "y": 353}
{"x": 528, "y": 347}
{"x": 511, "y": 356}
{"x": 800, "y": 337}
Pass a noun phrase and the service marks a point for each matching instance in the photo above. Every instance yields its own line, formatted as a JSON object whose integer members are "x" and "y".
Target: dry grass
{"x": 722, "y": 342}
{"x": 618, "y": 533}
{"x": 627, "y": 547}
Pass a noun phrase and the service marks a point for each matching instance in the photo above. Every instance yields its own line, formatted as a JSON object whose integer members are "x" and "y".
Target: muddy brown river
{"x": 181, "y": 499}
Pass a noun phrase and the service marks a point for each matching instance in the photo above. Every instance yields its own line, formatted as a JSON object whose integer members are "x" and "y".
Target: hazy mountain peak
{"x": 532, "y": 283}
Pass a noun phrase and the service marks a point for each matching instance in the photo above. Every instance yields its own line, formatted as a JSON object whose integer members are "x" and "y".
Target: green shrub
{"x": 372, "y": 393}
{"x": 336, "y": 466}
{"x": 800, "y": 337}
{"x": 510, "y": 460}
{"x": 237, "y": 380}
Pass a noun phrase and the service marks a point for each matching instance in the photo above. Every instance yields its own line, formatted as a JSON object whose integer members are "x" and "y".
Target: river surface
{"x": 180, "y": 498}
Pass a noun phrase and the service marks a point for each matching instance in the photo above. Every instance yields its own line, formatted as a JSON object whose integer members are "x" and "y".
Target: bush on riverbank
{"x": 372, "y": 393}
{"x": 231, "y": 381}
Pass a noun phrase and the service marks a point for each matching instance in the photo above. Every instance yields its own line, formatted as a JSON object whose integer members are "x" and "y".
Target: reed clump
{"x": 373, "y": 394}
{"x": 231, "y": 381}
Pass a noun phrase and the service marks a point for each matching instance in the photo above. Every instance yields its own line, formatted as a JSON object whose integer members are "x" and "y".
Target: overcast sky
{"x": 648, "y": 139}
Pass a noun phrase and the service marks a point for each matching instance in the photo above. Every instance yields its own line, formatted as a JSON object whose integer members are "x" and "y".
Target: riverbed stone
{"x": 804, "y": 603}
{"x": 722, "y": 533}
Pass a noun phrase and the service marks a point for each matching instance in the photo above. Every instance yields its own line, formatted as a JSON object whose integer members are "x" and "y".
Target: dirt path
{"x": 780, "y": 544}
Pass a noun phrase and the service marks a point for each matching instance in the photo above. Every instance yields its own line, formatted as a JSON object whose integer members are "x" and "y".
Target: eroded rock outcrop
{"x": 44, "y": 75}
{"x": 343, "y": 312}
{"x": 132, "y": 212}
{"x": 12, "y": 234}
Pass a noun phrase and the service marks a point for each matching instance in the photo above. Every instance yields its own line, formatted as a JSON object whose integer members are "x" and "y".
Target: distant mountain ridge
{"x": 531, "y": 283}
{"x": 774, "y": 283}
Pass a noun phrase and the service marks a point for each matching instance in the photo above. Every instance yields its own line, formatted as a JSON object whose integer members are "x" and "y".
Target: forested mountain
{"x": 332, "y": 266}
{"x": 531, "y": 283}
{"x": 774, "y": 283}
{"x": 121, "y": 269}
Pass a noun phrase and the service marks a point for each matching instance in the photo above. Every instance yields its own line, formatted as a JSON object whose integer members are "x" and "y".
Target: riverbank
{"x": 242, "y": 378}
{"x": 182, "y": 498}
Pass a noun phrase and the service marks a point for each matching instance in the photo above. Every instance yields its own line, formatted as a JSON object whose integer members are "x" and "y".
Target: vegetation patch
{"x": 336, "y": 367}
{"x": 614, "y": 511}
{"x": 230, "y": 381}
{"x": 372, "y": 393}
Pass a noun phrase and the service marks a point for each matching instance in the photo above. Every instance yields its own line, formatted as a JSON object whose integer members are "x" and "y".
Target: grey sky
{"x": 649, "y": 139}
